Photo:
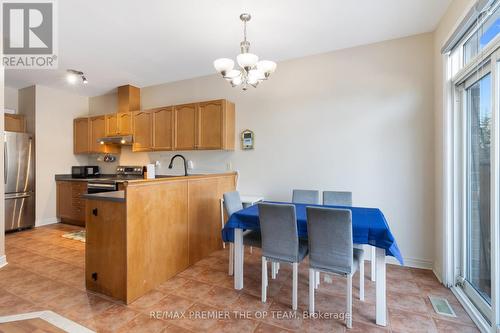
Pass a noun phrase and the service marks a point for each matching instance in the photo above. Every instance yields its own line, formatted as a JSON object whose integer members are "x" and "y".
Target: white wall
{"x": 10, "y": 98}
{"x": 448, "y": 23}
{"x": 359, "y": 119}
{"x": 55, "y": 111}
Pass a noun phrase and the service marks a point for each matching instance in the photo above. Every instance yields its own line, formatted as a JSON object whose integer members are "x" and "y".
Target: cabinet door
{"x": 185, "y": 127}
{"x": 15, "y": 123}
{"x": 124, "y": 123}
{"x": 81, "y": 141}
{"x": 97, "y": 131}
{"x": 64, "y": 204}
{"x": 210, "y": 125}
{"x": 203, "y": 218}
{"x": 111, "y": 125}
{"x": 142, "y": 131}
{"x": 163, "y": 129}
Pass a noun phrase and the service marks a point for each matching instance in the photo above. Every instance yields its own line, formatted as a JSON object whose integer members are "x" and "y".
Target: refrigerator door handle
{"x": 5, "y": 164}
{"x": 17, "y": 195}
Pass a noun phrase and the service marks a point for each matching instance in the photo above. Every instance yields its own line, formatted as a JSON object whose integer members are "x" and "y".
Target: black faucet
{"x": 185, "y": 163}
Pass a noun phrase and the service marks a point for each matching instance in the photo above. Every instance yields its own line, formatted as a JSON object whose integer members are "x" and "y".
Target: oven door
{"x": 101, "y": 187}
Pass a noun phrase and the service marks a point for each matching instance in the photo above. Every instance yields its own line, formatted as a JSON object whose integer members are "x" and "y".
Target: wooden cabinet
{"x": 196, "y": 126}
{"x": 143, "y": 138}
{"x": 111, "y": 124}
{"x": 124, "y": 123}
{"x": 70, "y": 204}
{"x": 97, "y": 131}
{"x": 15, "y": 122}
{"x": 163, "y": 128}
{"x": 106, "y": 248}
{"x": 185, "y": 127}
{"x": 81, "y": 139}
{"x": 119, "y": 124}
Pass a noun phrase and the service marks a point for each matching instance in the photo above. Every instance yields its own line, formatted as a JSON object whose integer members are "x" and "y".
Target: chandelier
{"x": 251, "y": 71}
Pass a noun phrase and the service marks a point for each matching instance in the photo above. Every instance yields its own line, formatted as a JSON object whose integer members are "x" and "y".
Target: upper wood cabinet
{"x": 124, "y": 121}
{"x": 81, "y": 139}
{"x": 143, "y": 138}
{"x": 185, "y": 127}
{"x": 111, "y": 124}
{"x": 97, "y": 130}
{"x": 15, "y": 122}
{"x": 206, "y": 125}
{"x": 163, "y": 128}
{"x": 215, "y": 125}
{"x": 119, "y": 124}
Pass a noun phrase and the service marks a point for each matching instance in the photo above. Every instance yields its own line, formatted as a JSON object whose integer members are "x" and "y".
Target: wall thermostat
{"x": 247, "y": 139}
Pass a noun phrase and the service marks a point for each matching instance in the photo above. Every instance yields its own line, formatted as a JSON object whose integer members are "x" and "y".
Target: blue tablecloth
{"x": 368, "y": 224}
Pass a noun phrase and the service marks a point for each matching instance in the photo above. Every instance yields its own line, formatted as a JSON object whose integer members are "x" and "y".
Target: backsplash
{"x": 203, "y": 161}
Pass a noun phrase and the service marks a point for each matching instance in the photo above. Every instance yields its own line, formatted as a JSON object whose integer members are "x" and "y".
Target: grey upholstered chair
{"x": 280, "y": 242}
{"x": 305, "y": 197}
{"x": 331, "y": 249}
{"x": 337, "y": 198}
{"x": 232, "y": 204}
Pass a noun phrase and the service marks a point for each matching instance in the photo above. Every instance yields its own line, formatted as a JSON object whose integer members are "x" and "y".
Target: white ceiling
{"x": 117, "y": 42}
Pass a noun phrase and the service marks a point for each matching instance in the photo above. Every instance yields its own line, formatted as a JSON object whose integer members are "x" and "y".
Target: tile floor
{"x": 46, "y": 272}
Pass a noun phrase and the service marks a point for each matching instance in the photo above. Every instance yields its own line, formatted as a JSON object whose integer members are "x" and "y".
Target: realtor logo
{"x": 29, "y": 34}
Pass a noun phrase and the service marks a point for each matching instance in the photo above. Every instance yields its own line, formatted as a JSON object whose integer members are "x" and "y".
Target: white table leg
{"x": 231, "y": 259}
{"x": 374, "y": 267}
{"x": 380, "y": 288}
{"x": 238, "y": 259}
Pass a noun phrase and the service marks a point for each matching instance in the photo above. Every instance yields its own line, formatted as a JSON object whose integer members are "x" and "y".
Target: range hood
{"x": 118, "y": 140}
{"x": 129, "y": 99}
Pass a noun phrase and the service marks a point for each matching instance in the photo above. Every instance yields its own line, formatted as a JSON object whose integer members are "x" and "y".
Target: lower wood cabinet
{"x": 70, "y": 204}
{"x": 160, "y": 229}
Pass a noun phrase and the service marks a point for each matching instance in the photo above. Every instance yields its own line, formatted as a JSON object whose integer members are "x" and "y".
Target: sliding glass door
{"x": 477, "y": 229}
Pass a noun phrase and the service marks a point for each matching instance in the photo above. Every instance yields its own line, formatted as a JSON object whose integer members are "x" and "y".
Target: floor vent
{"x": 441, "y": 306}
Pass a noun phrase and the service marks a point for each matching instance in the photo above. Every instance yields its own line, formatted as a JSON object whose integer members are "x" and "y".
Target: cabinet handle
{"x": 94, "y": 211}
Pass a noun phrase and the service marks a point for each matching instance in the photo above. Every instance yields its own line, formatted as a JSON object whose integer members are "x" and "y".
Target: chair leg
{"x": 295, "y": 277}
{"x": 318, "y": 277}
{"x": 312, "y": 285}
{"x": 348, "y": 312}
{"x": 277, "y": 267}
{"x": 264, "y": 279}
{"x": 251, "y": 249}
{"x": 231, "y": 259}
{"x": 273, "y": 270}
{"x": 362, "y": 278}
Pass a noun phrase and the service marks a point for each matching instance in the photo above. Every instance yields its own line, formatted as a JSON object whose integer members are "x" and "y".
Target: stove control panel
{"x": 129, "y": 170}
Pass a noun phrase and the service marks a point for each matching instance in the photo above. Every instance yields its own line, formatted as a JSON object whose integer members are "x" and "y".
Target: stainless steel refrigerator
{"x": 19, "y": 181}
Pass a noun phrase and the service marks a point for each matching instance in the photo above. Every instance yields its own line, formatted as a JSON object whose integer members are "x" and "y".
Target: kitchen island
{"x": 153, "y": 229}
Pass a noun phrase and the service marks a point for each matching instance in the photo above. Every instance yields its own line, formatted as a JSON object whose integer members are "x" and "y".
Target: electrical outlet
{"x": 229, "y": 166}
{"x": 190, "y": 165}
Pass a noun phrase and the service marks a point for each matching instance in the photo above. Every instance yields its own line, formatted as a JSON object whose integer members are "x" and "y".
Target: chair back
{"x": 278, "y": 226}
{"x": 305, "y": 197}
{"x": 329, "y": 232}
{"x": 232, "y": 202}
{"x": 337, "y": 198}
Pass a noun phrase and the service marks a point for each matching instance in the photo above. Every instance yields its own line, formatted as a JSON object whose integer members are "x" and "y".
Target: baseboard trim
{"x": 409, "y": 262}
{"x": 47, "y": 221}
{"x": 471, "y": 310}
{"x": 3, "y": 261}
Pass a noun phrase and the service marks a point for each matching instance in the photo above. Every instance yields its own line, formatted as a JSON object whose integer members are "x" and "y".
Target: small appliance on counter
{"x": 86, "y": 171}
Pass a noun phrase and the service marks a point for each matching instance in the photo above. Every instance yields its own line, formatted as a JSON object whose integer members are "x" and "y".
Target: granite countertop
{"x": 117, "y": 196}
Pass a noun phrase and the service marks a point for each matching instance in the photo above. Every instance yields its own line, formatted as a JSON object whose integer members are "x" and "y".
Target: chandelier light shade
{"x": 251, "y": 71}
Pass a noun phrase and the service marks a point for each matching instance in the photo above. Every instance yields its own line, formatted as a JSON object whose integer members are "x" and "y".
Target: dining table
{"x": 369, "y": 226}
